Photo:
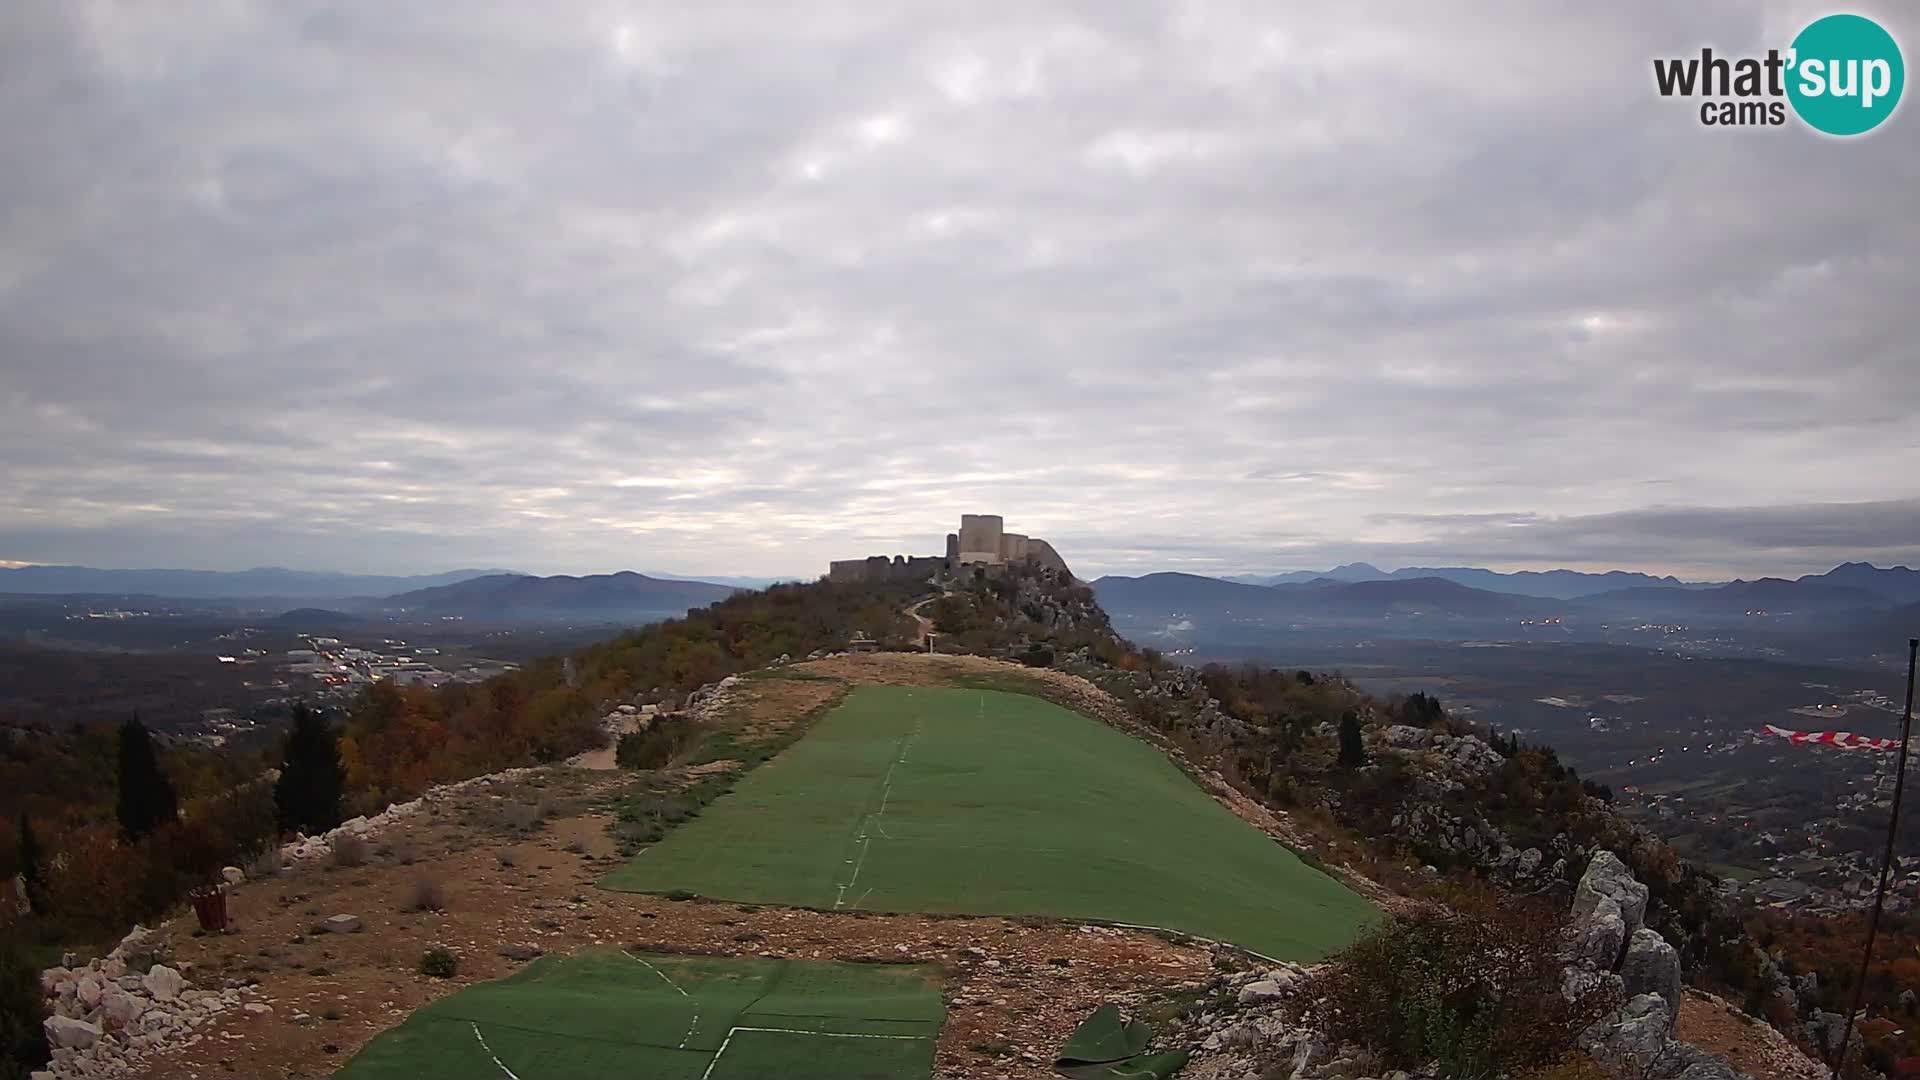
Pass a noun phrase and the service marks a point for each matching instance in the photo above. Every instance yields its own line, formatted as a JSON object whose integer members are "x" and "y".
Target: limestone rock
{"x": 1262, "y": 992}
{"x": 232, "y": 875}
{"x": 1529, "y": 862}
{"x": 163, "y": 982}
{"x": 1475, "y": 756}
{"x": 67, "y": 1033}
{"x": 343, "y": 924}
{"x": 119, "y": 1009}
{"x": 1407, "y": 737}
{"x": 1628, "y": 1041}
{"x": 1602, "y": 934}
{"x": 1607, "y": 878}
{"x": 88, "y": 989}
{"x": 1652, "y": 966}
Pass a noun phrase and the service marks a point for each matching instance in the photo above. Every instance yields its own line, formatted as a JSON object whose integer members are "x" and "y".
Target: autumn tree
{"x": 147, "y": 800}
{"x": 307, "y": 796}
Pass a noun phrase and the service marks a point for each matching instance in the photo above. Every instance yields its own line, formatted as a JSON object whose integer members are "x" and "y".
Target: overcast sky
{"x": 718, "y": 288}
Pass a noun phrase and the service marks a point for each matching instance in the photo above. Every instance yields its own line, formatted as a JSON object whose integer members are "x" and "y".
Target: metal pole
{"x": 1839, "y": 1056}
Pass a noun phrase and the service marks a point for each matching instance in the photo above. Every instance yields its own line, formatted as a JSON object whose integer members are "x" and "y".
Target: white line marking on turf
{"x": 490, "y": 1053}
{"x": 731, "y": 1032}
{"x": 874, "y": 821}
{"x": 691, "y": 1028}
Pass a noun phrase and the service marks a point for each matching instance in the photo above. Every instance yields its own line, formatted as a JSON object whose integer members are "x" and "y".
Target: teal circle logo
{"x": 1846, "y": 75}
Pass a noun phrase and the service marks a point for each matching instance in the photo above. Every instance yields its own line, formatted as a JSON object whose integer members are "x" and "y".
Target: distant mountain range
{"x": 622, "y": 597}
{"x": 268, "y": 582}
{"x": 1358, "y": 590}
{"x": 1552, "y": 584}
{"x": 263, "y": 581}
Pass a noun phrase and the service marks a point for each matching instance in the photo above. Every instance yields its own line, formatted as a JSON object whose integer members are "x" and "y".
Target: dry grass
{"x": 349, "y": 850}
{"x": 428, "y": 895}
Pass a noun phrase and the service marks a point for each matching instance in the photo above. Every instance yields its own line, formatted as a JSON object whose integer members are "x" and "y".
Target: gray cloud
{"x": 739, "y": 289}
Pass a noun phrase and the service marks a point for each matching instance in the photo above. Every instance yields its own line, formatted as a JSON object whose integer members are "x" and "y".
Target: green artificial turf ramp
{"x": 982, "y": 802}
{"x": 604, "y": 1013}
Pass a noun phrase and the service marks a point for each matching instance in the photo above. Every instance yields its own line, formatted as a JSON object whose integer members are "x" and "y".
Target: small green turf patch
{"x": 671, "y": 1016}
{"x": 988, "y": 803}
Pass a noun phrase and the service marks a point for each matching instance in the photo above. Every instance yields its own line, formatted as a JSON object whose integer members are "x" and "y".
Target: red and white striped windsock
{"x": 1845, "y": 740}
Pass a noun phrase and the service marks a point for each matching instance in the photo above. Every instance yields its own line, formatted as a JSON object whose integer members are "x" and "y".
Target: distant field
{"x": 607, "y": 1014}
{"x": 982, "y": 802}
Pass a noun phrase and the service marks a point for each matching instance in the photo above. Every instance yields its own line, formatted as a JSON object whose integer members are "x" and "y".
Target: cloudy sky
{"x": 736, "y": 289}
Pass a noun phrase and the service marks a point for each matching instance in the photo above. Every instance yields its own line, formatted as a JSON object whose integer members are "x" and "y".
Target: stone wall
{"x": 981, "y": 542}
{"x": 882, "y": 568}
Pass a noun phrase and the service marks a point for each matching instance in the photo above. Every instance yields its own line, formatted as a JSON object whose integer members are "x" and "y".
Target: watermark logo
{"x": 1842, "y": 75}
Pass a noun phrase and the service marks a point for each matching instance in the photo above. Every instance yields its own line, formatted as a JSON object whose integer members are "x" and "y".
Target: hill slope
{"x": 982, "y": 802}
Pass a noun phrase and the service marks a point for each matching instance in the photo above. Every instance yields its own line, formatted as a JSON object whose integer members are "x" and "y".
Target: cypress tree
{"x": 30, "y": 870}
{"x": 312, "y": 780}
{"x": 146, "y": 799}
{"x": 1352, "y": 752}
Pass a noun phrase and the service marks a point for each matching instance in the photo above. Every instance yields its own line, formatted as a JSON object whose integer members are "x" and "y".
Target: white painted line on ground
{"x": 873, "y": 821}
{"x": 688, "y": 1037}
{"x": 731, "y": 1032}
{"x": 490, "y": 1053}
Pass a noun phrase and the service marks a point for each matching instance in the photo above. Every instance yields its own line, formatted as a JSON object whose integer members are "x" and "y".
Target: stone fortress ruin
{"x": 982, "y": 544}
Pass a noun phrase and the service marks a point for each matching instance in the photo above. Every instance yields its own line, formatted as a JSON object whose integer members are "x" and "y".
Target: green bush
{"x": 438, "y": 963}
{"x": 1476, "y": 989}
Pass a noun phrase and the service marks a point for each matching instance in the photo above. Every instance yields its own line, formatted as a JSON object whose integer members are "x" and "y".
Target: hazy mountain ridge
{"x": 1547, "y": 584}
{"x": 260, "y": 581}
{"x": 1850, "y": 589}
{"x": 625, "y": 595}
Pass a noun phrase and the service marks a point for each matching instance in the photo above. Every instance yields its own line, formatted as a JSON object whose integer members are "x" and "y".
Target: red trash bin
{"x": 210, "y": 904}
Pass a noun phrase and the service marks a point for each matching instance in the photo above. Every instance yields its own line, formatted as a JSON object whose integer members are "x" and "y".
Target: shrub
{"x": 438, "y": 963}
{"x": 654, "y": 747}
{"x": 428, "y": 895}
{"x": 1477, "y": 989}
{"x": 519, "y": 816}
{"x": 267, "y": 864}
{"x": 23, "y": 1011}
{"x": 349, "y": 850}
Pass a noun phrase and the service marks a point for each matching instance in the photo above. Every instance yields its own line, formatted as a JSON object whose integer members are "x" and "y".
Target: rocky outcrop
{"x": 103, "y": 1019}
{"x": 1651, "y": 966}
{"x": 1611, "y": 946}
{"x": 1608, "y": 880}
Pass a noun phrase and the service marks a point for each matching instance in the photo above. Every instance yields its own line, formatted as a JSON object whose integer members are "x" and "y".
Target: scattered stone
{"x": 520, "y": 952}
{"x": 342, "y": 924}
{"x": 232, "y": 875}
{"x": 163, "y": 982}
{"x": 119, "y": 1009}
{"x": 65, "y": 1032}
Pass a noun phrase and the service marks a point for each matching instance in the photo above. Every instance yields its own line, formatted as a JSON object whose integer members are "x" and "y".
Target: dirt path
{"x": 926, "y": 624}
